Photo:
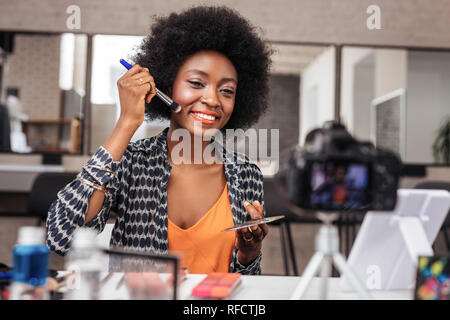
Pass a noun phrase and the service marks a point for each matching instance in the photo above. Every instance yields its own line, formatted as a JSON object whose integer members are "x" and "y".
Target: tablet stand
{"x": 327, "y": 254}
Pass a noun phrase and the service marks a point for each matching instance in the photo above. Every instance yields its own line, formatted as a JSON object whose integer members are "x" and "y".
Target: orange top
{"x": 340, "y": 192}
{"x": 204, "y": 246}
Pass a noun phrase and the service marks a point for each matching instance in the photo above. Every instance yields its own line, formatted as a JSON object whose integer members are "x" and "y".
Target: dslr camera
{"x": 336, "y": 172}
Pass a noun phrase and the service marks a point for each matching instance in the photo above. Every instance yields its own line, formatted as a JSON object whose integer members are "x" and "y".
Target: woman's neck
{"x": 187, "y": 148}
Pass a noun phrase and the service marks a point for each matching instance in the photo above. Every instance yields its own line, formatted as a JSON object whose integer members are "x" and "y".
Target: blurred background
{"x": 380, "y": 67}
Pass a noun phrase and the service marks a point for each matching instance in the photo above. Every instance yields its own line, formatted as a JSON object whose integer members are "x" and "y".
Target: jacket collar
{"x": 232, "y": 160}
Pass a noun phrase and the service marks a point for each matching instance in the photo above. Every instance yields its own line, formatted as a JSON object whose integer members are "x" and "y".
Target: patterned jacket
{"x": 137, "y": 193}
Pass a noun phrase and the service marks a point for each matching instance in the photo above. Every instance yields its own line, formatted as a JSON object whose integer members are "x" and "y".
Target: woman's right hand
{"x": 136, "y": 87}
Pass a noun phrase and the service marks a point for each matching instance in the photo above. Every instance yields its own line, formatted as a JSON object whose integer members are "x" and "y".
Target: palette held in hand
{"x": 217, "y": 285}
{"x": 255, "y": 222}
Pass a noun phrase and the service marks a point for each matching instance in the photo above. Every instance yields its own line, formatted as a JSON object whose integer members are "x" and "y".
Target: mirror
{"x": 105, "y": 104}
{"x": 399, "y": 99}
{"x": 42, "y": 81}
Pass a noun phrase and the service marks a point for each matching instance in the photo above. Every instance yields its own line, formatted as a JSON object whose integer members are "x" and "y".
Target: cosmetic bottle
{"x": 84, "y": 264}
{"x": 30, "y": 263}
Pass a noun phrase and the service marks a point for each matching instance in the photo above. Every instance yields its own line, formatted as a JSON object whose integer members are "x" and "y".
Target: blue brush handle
{"x": 126, "y": 64}
{"x": 173, "y": 105}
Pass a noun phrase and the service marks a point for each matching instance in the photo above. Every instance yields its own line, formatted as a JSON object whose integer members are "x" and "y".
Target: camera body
{"x": 335, "y": 172}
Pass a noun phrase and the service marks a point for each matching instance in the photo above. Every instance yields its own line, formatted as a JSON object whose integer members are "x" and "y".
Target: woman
{"x": 211, "y": 62}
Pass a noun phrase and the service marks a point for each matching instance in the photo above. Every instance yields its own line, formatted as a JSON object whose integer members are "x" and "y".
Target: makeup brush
{"x": 175, "y": 107}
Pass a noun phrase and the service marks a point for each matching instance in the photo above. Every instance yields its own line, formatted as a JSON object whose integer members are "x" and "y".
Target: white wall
{"x": 390, "y": 70}
{"x": 427, "y": 100}
{"x": 356, "y": 92}
{"x": 317, "y": 93}
{"x": 103, "y": 121}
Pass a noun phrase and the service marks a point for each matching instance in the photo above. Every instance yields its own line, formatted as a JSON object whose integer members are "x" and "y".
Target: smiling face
{"x": 205, "y": 88}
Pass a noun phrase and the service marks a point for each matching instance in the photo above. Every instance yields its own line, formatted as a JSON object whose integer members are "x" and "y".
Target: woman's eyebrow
{"x": 203, "y": 73}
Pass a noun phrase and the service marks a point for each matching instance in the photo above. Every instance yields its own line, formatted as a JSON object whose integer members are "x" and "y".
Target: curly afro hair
{"x": 178, "y": 36}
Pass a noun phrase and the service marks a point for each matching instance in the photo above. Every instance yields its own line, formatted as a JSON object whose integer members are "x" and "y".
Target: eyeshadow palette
{"x": 433, "y": 278}
{"x": 255, "y": 222}
{"x": 217, "y": 285}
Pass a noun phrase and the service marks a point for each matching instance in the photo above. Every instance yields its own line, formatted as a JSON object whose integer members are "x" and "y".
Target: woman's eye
{"x": 228, "y": 91}
{"x": 196, "y": 84}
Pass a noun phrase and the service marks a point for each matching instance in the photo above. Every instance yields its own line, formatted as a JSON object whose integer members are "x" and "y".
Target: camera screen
{"x": 338, "y": 186}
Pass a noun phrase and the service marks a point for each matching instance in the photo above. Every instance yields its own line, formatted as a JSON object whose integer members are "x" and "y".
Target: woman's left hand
{"x": 249, "y": 240}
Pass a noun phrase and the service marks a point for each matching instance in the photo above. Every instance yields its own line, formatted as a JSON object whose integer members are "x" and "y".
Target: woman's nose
{"x": 210, "y": 98}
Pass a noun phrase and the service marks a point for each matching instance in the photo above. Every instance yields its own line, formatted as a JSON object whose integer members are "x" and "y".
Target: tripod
{"x": 327, "y": 253}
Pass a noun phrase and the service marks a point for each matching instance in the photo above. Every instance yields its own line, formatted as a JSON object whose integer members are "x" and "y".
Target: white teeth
{"x": 205, "y": 116}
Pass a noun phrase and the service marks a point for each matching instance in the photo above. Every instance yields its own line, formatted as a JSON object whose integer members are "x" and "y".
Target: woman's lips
{"x": 196, "y": 116}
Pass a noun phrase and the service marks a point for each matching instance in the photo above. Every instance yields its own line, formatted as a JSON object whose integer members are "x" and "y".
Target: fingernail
{"x": 246, "y": 203}
{"x": 257, "y": 202}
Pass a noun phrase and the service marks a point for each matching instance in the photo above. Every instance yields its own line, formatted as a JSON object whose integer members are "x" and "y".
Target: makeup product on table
{"x": 175, "y": 107}
{"x": 217, "y": 285}
{"x": 146, "y": 286}
{"x": 433, "y": 278}
{"x": 254, "y": 223}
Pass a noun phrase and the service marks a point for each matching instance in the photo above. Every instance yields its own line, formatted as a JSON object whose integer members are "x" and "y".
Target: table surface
{"x": 261, "y": 288}
{"x": 20, "y": 177}
{"x": 11, "y": 167}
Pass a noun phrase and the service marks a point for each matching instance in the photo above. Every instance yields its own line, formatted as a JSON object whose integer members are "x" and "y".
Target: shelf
{"x": 48, "y": 121}
{"x": 75, "y": 134}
